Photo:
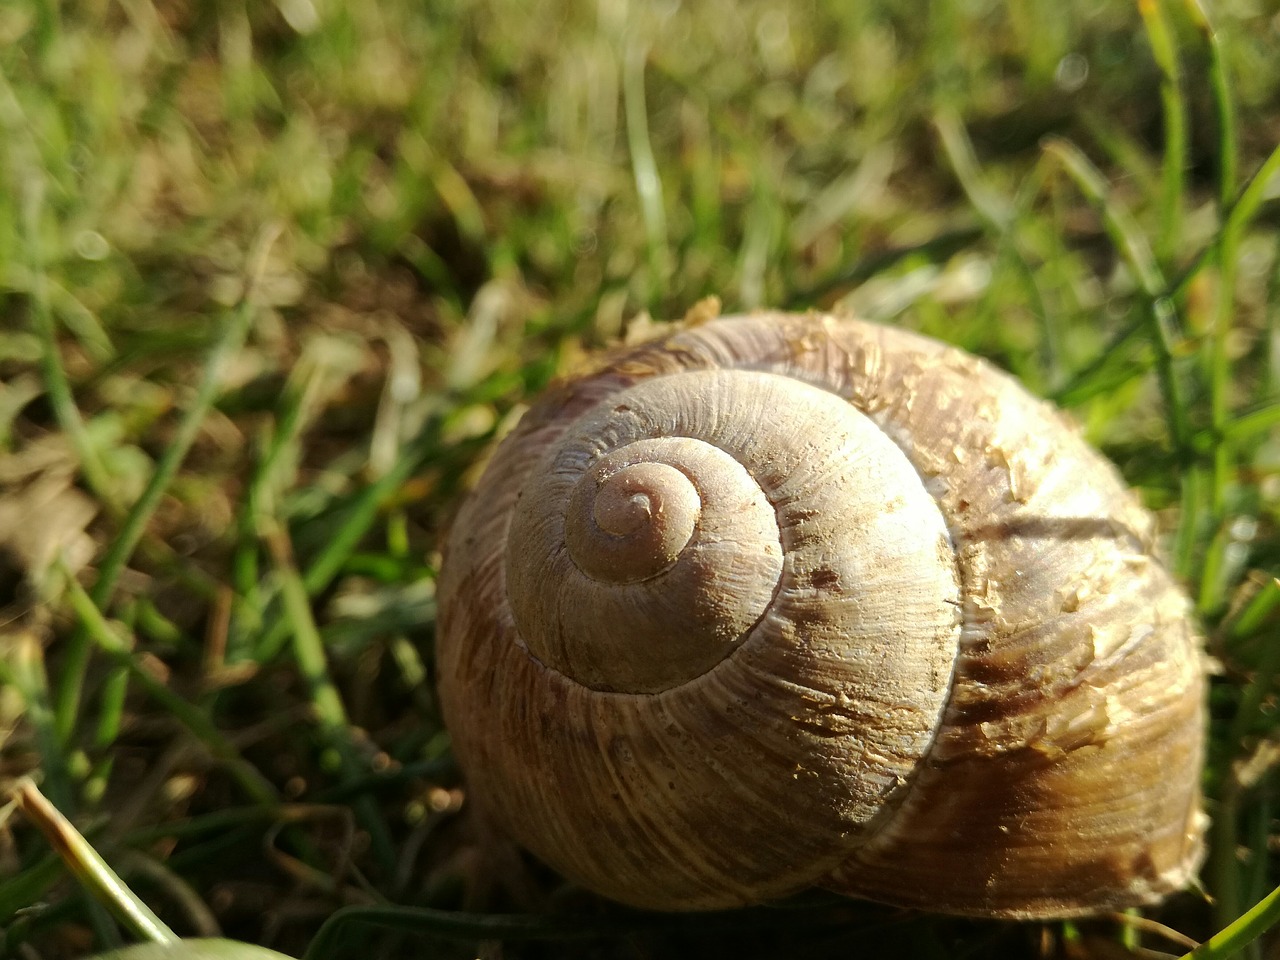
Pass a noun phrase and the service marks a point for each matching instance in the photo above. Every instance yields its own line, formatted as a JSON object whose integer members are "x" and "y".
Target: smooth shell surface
{"x": 788, "y": 601}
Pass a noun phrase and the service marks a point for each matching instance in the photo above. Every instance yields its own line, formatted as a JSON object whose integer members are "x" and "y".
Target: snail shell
{"x": 790, "y": 601}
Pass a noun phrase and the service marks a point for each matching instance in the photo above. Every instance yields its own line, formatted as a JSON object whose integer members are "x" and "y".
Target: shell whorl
{"x": 716, "y": 504}
{"x": 786, "y": 601}
{"x": 632, "y": 516}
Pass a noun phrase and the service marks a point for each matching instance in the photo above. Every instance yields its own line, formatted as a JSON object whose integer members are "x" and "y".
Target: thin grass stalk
{"x": 1239, "y": 214}
{"x": 1219, "y": 387}
{"x": 88, "y": 867}
{"x": 55, "y": 378}
{"x": 23, "y": 668}
{"x": 288, "y": 424}
{"x": 1164, "y": 48}
{"x": 1215, "y": 567}
{"x": 228, "y": 345}
{"x": 1162, "y": 326}
{"x": 1223, "y": 101}
{"x": 30, "y": 886}
{"x": 1220, "y": 364}
{"x": 335, "y": 728}
{"x": 1260, "y": 839}
{"x": 1247, "y": 426}
{"x": 1254, "y": 194}
{"x": 362, "y": 513}
{"x": 1121, "y": 228}
{"x": 1192, "y": 493}
{"x": 1255, "y": 612}
{"x": 1224, "y": 869}
{"x": 177, "y": 890}
{"x": 1229, "y": 941}
{"x": 219, "y": 821}
{"x": 1001, "y": 218}
{"x": 1082, "y": 377}
{"x": 1227, "y": 256}
{"x": 935, "y": 250}
{"x": 994, "y": 210}
{"x": 1132, "y": 246}
{"x": 644, "y": 167}
{"x": 115, "y": 689}
{"x": 201, "y": 727}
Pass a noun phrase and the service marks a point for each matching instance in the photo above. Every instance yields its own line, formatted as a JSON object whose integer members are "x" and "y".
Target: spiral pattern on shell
{"x": 786, "y": 601}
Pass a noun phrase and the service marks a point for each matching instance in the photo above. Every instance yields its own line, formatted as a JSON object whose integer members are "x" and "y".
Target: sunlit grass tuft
{"x": 273, "y": 276}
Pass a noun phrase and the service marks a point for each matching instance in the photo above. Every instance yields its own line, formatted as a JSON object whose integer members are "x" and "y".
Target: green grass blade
{"x": 1165, "y": 50}
{"x": 644, "y": 166}
{"x": 22, "y": 666}
{"x": 1230, "y": 941}
{"x": 335, "y": 728}
{"x": 27, "y": 887}
{"x": 55, "y": 377}
{"x": 1254, "y": 193}
{"x": 101, "y": 633}
{"x": 1132, "y": 246}
{"x": 235, "y": 330}
{"x": 360, "y": 517}
{"x": 89, "y": 868}
{"x": 1223, "y": 101}
{"x": 1119, "y": 224}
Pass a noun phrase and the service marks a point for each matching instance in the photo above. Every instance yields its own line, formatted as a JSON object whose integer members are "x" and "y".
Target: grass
{"x": 272, "y": 276}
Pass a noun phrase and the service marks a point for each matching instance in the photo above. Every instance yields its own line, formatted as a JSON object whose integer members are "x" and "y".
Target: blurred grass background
{"x": 273, "y": 275}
